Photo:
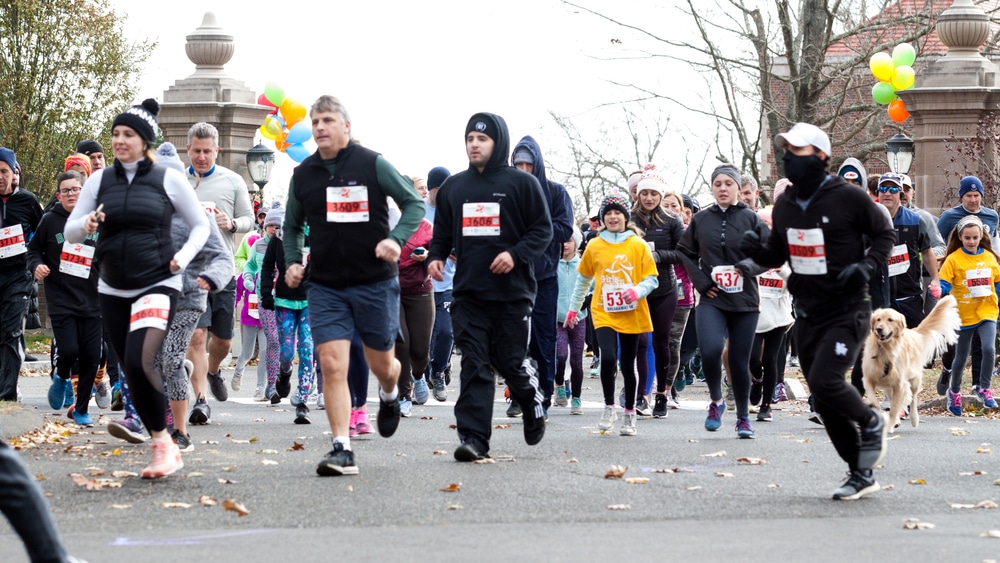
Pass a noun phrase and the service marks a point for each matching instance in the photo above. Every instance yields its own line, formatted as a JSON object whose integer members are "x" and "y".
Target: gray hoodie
{"x": 860, "y": 168}
{"x": 213, "y": 262}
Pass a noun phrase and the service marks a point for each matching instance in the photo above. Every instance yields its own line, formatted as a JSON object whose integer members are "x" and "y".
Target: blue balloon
{"x": 298, "y": 152}
{"x": 299, "y": 133}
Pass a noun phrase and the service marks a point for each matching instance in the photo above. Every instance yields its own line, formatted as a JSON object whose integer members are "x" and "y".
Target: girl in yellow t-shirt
{"x": 621, "y": 265}
{"x": 972, "y": 273}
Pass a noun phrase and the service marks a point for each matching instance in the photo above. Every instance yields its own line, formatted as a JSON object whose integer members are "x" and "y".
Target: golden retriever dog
{"x": 895, "y": 356}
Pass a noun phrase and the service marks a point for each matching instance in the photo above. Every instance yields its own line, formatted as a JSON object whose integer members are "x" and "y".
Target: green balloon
{"x": 883, "y": 93}
{"x": 274, "y": 94}
{"x": 903, "y": 55}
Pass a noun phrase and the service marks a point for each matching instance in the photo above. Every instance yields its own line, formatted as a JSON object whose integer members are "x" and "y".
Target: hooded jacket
{"x": 525, "y": 227}
{"x": 560, "y": 209}
{"x": 22, "y": 207}
{"x": 855, "y": 164}
{"x": 213, "y": 263}
{"x": 65, "y": 294}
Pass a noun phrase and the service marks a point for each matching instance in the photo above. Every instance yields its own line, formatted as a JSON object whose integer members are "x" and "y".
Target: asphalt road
{"x": 547, "y": 502}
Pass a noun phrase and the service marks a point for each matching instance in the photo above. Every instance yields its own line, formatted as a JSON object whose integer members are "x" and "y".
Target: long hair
{"x": 649, "y": 218}
{"x": 955, "y": 237}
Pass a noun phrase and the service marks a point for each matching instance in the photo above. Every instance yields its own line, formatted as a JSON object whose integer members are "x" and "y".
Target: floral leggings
{"x": 295, "y": 333}
{"x": 269, "y": 324}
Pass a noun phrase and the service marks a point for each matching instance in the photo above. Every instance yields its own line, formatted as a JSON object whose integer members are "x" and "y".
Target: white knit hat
{"x": 651, "y": 180}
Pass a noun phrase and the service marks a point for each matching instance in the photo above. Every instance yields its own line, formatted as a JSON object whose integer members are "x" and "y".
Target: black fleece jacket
{"x": 64, "y": 294}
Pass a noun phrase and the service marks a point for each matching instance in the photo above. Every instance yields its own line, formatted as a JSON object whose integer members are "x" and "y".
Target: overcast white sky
{"x": 410, "y": 73}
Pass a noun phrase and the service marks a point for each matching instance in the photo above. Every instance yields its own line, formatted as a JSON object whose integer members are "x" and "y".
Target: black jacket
{"x": 65, "y": 294}
{"x": 272, "y": 275}
{"x": 560, "y": 210}
{"x": 21, "y": 207}
{"x": 525, "y": 228}
{"x": 665, "y": 232}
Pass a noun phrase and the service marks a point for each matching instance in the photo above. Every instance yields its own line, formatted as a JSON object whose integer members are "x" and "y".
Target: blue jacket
{"x": 560, "y": 208}
{"x": 950, "y": 217}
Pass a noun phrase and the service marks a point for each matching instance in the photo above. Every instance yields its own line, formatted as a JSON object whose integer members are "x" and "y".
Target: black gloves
{"x": 855, "y": 274}
{"x": 267, "y": 302}
{"x": 750, "y": 244}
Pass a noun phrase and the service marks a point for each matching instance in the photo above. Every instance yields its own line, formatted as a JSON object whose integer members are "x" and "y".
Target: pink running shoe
{"x": 166, "y": 460}
{"x": 353, "y": 430}
{"x": 362, "y": 422}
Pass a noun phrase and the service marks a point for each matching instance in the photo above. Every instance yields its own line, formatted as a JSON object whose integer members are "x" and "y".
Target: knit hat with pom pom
{"x": 142, "y": 119}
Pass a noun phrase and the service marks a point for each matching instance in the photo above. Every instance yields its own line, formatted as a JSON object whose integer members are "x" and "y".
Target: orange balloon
{"x": 281, "y": 145}
{"x": 897, "y": 111}
{"x": 293, "y": 112}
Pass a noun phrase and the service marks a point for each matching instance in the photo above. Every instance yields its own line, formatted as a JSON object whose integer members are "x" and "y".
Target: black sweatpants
{"x": 78, "y": 339}
{"x": 15, "y": 285}
{"x": 492, "y": 333}
{"x": 542, "y": 345}
{"x": 26, "y": 510}
{"x": 767, "y": 347}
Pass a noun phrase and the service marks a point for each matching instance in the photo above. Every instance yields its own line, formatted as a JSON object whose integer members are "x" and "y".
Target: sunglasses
{"x": 889, "y": 189}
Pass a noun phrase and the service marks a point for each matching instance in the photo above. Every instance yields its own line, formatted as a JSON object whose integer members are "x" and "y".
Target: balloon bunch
{"x": 894, "y": 72}
{"x": 286, "y": 125}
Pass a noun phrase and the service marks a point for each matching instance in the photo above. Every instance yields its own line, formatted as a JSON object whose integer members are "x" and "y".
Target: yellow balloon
{"x": 903, "y": 78}
{"x": 273, "y": 127}
{"x": 881, "y": 66}
{"x": 266, "y": 133}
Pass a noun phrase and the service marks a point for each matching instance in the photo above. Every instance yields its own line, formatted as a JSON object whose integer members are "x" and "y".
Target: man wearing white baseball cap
{"x": 819, "y": 225}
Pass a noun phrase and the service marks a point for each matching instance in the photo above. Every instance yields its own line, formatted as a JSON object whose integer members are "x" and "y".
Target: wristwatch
{"x": 233, "y": 228}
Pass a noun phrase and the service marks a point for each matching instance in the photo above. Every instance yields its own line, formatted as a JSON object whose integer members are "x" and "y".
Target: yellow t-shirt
{"x": 972, "y": 278}
{"x": 615, "y": 268}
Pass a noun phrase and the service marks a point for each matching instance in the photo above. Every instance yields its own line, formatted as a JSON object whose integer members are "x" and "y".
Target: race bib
{"x": 209, "y": 207}
{"x": 614, "y": 299}
{"x": 899, "y": 260}
{"x": 979, "y": 282}
{"x": 347, "y": 204}
{"x": 652, "y": 245}
{"x": 807, "y": 251}
{"x": 680, "y": 290}
{"x": 728, "y": 278}
{"x": 481, "y": 219}
{"x": 12, "y": 241}
{"x": 252, "y": 306}
{"x": 76, "y": 260}
{"x": 771, "y": 285}
{"x": 150, "y": 311}
{"x": 306, "y": 252}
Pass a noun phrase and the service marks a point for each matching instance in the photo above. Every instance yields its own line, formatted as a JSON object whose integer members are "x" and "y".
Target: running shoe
{"x": 764, "y": 414}
{"x": 672, "y": 403}
{"x": 714, "y": 420}
{"x": 561, "y": 400}
{"x": 284, "y": 383}
{"x": 440, "y": 388}
{"x": 660, "y": 406}
{"x": 166, "y": 460}
{"x": 575, "y": 406}
{"x": 57, "y": 391}
{"x": 201, "y": 413}
{"x": 218, "y": 386}
{"x": 608, "y": 418}
{"x": 943, "y": 381}
{"x": 756, "y": 391}
{"x": 68, "y": 398}
{"x": 183, "y": 440}
{"x": 680, "y": 382}
{"x": 513, "y": 409}
{"x": 874, "y": 441}
{"x": 955, "y": 403}
{"x": 320, "y": 402}
{"x": 779, "y": 394}
{"x": 302, "y": 414}
{"x": 363, "y": 427}
{"x": 237, "y": 381}
{"x": 730, "y": 398}
{"x": 405, "y": 407}
{"x": 420, "y": 391}
{"x": 352, "y": 429}
{"x": 83, "y": 419}
{"x": 642, "y": 406}
{"x": 987, "y": 396}
{"x": 858, "y": 484}
{"x": 117, "y": 403}
{"x": 337, "y": 462}
{"x": 595, "y": 366}
{"x": 468, "y": 452}
{"x": 534, "y": 427}
{"x": 743, "y": 428}
{"x": 102, "y": 394}
{"x": 793, "y": 361}
{"x": 258, "y": 395}
{"x": 628, "y": 425}
{"x": 388, "y": 416}
{"x": 128, "y": 429}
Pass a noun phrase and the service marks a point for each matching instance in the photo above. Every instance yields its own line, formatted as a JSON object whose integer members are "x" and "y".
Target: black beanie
{"x": 142, "y": 119}
{"x": 89, "y": 147}
{"x": 483, "y": 123}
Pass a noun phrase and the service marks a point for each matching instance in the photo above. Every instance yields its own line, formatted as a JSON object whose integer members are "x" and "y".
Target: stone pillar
{"x": 950, "y": 97}
{"x": 212, "y": 96}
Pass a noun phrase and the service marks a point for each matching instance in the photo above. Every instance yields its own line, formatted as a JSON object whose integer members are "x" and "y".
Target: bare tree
{"x": 972, "y": 155}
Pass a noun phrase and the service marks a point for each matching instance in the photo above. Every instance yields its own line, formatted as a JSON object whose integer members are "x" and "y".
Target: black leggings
{"x": 137, "y": 351}
{"x": 661, "y": 312}
{"x": 608, "y": 341}
{"x": 714, "y": 325}
{"x": 767, "y": 347}
{"x": 78, "y": 339}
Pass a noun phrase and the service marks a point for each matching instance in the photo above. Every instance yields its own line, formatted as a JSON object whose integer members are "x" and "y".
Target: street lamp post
{"x": 899, "y": 152}
{"x": 260, "y": 160}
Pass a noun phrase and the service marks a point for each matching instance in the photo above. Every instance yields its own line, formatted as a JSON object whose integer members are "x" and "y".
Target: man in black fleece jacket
{"x": 819, "y": 228}
{"x": 495, "y": 218}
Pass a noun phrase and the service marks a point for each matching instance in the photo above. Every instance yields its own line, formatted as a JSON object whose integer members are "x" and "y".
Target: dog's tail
{"x": 940, "y": 328}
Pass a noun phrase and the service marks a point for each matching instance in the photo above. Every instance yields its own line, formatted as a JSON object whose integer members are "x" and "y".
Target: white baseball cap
{"x": 803, "y": 135}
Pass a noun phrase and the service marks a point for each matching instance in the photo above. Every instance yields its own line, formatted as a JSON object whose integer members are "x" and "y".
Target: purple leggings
{"x": 569, "y": 341}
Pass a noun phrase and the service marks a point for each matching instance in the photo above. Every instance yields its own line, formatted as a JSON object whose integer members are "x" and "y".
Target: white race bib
{"x": 12, "y": 241}
{"x": 614, "y": 299}
{"x": 979, "y": 282}
{"x": 481, "y": 219}
{"x": 76, "y": 259}
{"x": 209, "y": 207}
{"x": 899, "y": 260}
{"x": 807, "y": 251}
{"x": 306, "y": 252}
{"x": 347, "y": 204}
{"x": 150, "y": 311}
{"x": 728, "y": 278}
{"x": 252, "y": 303}
{"x": 771, "y": 285}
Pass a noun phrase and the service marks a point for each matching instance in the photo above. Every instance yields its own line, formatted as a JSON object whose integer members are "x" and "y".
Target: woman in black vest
{"x": 131, "y": 205}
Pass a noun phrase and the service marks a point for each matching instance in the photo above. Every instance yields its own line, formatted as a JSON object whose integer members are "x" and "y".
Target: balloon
{"x": 263, "y": 101}
{"x": 299, "y": 133}
{"x": 897, "y": 111}
{"x": 881, "y": 66}
{"x": 883, "y": 93}
{"x": 273, "y": 127}
{"x": 266, "y": 133}
{"x": 281, "y": 146}
{"x": 903, "y": 55}
{"x": 274, "y": 94}
{"x": 293, "y": 112}
{"x": 903, "y": 78}
{"x": 297, "y": 152}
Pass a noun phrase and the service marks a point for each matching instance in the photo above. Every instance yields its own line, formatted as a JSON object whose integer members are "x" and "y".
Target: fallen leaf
{"x": 121, "y": 506}
{"x": 440, "y": 452}
{"x": 720, "y": 453}
{"x": 616, "y": 472}
{"x": 267, "y": 452}
{"x": 228, "y": 436}
{"x": 502, "y": 426}
{"x": 206, "y": 500}
{"x": 914, "y": 524}
{"x": 752, "y": 460}
{"x": 123, "y": 474}
{"x": 91, "y": 484}
{"x": 990, "y": 534}
{"x": 692, "y": 441}
{"x": 268, "y": 462}
{"x": 485, "y": 461}
{"x": 508, "y": 458}
{"x": 916, "y": 482}
{"x": 427, "y": 418}
{"x": 40, "y": 477}
{"x": 253, "y": 441}
{"x": 454, "y": 507}
{"x": 194, "y": 474}
{"x": 955, "y": 431}
{"x": 452, "y": 488}
{"x": 226, "y": 481}
{"x": 572, "y": 460}
{"x": 619, "y": 507}
{"x": 452, "y": 426}
{"x": 722, "y": 474}
{"x": 260, "y": 420}
{"x": 233, "y": 506}
{"x": 997, "y": 482}
{"x": 637, "y": 480}
{"x": 694, "y": 488}
{"x": 176, "y": 505}
{"x": 224, "y": 414}
{"x": 889, "y": 487}
{"x": 116, "y": 451}
{"x": 970, "y": 473}
{"x": 229, "y": 469}
{"x": 209, "y": 442}
{"x": 987, "y": 504}
{"x": 97, "y": 473}
{"x": 774, "y": 486}
{"x": 296, "y": 446}
{"x": 983, "y": 450}
{"x": 241, "y": 441}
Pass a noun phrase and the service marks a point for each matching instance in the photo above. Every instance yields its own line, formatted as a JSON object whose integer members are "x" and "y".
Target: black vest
{"x": 135, "y": 245}
{"x": 343, "y": 254}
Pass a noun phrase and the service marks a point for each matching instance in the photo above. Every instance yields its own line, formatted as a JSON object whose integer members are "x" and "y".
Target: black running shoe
{"x": 201, "y": 413}
{"x": 859, "y": 483}
{"x": 468, "y": 452}
{"x": 534, "y": 428}
{"x": 182, "y": 440}
{"x": 302, "y": 414}
{"x": 338, "y": 461}
{"x": 756, "y": 391}
{"x": 284, "y": 383}
{"x": 218, "y": 386}
{"x": 388, "y": 417}
{"x": 874, "y": 441}
{"x": 660, "y": 406}
{"x": 944, "y": 380}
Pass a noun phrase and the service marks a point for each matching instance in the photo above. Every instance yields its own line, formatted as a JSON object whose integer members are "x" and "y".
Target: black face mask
{"x": 805, "y": 172}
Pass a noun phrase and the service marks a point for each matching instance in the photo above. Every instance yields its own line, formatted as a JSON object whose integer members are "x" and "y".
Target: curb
{"x": 19, "y": 422}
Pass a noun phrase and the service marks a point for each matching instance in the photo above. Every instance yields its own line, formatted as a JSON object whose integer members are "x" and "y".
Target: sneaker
{"x": 440, "y": 387}
{"x": 363, "y": 427}
{"x": 561, "y": 399}
{"x": 680, "y": 382}
{"x": 715, "y": 412}
{"x": 743, "y": 428}
{"x": 128, "y": 429}
{"x": 258, "y": 395}
{"x": 295, "y": 399}
{"x": 201, "y": 413}
{"x": 608, "y": 418}
{"x": 815, "y": 418}
{"x": 672, "y": 403}
{"x": 955, "y": 403}
{"x": 117, "y": 403}
{"x": 779, "y": 394}
{"x": 272, "y": 395}
{"x": 68, "y": 399}
{"x": 83, "y": 419}
{"x": 320, "y": 402}
{"x": 575, "y": 406}
{"x": 218, "y": 386}
{"x": 859, "y": 483}
{"x": 102, "y": 394}
{"x": 513, "y": 409}
{"x": 628, "y": 425}
{"x": 660, "y": 406}
{"x": 874, "y": 441}
{"x": 237, "y": 381}
{"x": 468, "y": 452}
{"x": 534, "y": 428}
{"x": 284, "y": 383}
{"x": 405, "y": 407}
{"x": 595, "y": 367}
{"x": 57, "y": 391}
{"x": 166, "y": 460}
{"x": 420, "y": 391}
{"x": 338, "y": 461}
{"x": 183, "y": 440}
{"x": 764, "y": 414}
{"x": 730, "y": 398}
{"x": 793, "y": 361}
{"x": 388, "y": 416}
{"x": 756, "y": 391}
{"x": 302, "y": 414}
{"x": 642, "y": 406}
{"x": 943, "y": 381}
{"x": 987, "y": 396}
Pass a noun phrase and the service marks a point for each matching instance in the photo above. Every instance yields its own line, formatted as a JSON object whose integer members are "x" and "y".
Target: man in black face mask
{"x": 819, "y": 225}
